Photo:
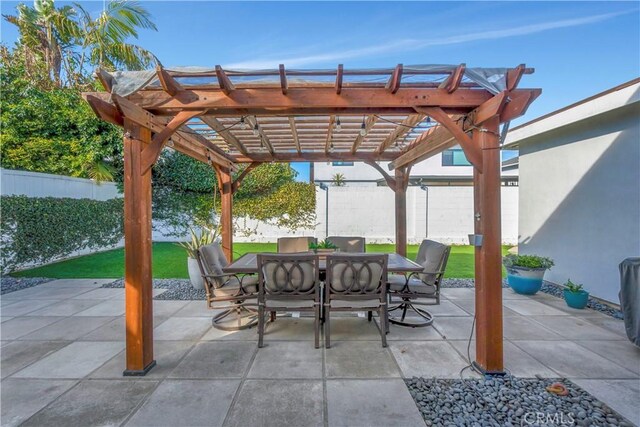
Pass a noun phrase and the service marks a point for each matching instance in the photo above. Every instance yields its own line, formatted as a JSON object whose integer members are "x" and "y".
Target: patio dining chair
{"x": 290, "y": 283}
{"x": 419, "y": 289}
{"x": 356, "y": 282}
{"x": 236, "y": 295}
{"x": 289, "y": 245}
{"x": 348, "y": 244}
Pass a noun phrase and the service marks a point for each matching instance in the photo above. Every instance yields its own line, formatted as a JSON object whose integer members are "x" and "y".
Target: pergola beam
{"x": 226, "y": 85}
{"x": 339, "y": 77}
{"x": 313, "y": 156}
{"x": 226, "y": 134}
{"x": 394, "y": 81}
{"x": 400, "y": 131}
{"x": 168, "y": 83}
{"x": 253, "y": 122}
{"x": 236, "y": 182}
{"x": 452, "y": 83}
{"x": 294, "y": 133}
{"x": 283, "y": 79}
{"x": 368, "y": 124}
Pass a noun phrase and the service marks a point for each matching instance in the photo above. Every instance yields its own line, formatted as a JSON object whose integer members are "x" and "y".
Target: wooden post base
{"x": 140, "y": 373}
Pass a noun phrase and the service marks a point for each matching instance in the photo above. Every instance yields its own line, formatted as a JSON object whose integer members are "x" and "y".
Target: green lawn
{"x": 169, "y": 261}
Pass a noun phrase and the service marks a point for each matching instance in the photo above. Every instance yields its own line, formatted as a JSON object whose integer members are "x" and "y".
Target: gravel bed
{"x": 557, "y": 291}
{"x": 11, "y": 284}
{"x": 463, "y": 283}
{"x": 177, "y": 289}
{"x": 507, "y": 401}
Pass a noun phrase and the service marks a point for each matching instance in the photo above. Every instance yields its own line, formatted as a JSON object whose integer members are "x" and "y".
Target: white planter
{"x": 195, "y": 276}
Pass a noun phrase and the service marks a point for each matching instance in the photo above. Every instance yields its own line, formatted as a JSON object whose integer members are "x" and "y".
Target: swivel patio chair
{"x": 356, "y": 282}
{"x": 419, "y": 289}
{"x": 290, "y": 283}
{"x": 289, "y": 245}
{"x": 236, "y": 295}
{"x": 348, "y": 244}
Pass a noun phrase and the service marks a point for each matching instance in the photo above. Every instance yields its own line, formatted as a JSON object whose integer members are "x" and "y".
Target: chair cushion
{"x": 368, "y": 303}
{"x": 415, "y": 286}
{"x": 430, "y": 256}
{"x": 292, "y": 304}
{"x": 287, "y": 245}
{"x": 348, "y": 244}
{"x": 289, "y": 277}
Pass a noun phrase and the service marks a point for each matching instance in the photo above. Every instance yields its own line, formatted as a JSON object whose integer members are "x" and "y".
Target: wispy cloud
{"x": 405, "y": 45}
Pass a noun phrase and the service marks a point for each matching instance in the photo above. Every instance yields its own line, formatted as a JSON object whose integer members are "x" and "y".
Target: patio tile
{"x": 105, "y": 308}
{"x": 181, "y": 402}
{"x": 383, "y": 402}
{"x": 530, "y": 307}
{"x": 22, "y": 295}
{"x": 469, "y": 306}
{"x": 20, "y": 326}
{"x": 73, "y": 361}
{"x": 624, "y": 353}
{"x": 621, "y": 395}
{"x": 18, "y": 354}
{"x": 167, "y": 308}
{"x": 561, "y": 305}
{"x": 353, "y": 329}
{"x": 523, "y": 328}
{"x": 428, "y": 359}
{"x": 397, "y": 332}
{"x": 453, "y": 328}
{"x": 609, "y": 323}
{"x": 508, "y": 293}
{"x": 20, "y": 308}
{"x": 445, "y": 308}
{"x": 76, "y": 283}
{"x": 290, "y": 329}
{"x": 458, "y": 293}
{"x": 182, "y": 328}
{"x": 4, "y": 301}
{"x": 113, "y": 330}
{"x": 65, "y": 308}
{"x": 359, "y": 359}
{"x": 23, "y": 398}
{"x": 5, "y": 318}
{"x": 69, "y": 328}
{"x": 215, "y": 334}
{"x": 287, "y": 359}
{"x": 260, "y": 403}
{"x": 94, "y": 403}
{"x": 569, "y": 359}
{"x": 228, "y": 359}
{"x": 574, "y": 328}
{"x": 167, "y": 355}
{"x": 103, "y": 293}
{"x": 52, "y": 293}
{"x": 516, "y": 361}
{"x": 195, "y": 309}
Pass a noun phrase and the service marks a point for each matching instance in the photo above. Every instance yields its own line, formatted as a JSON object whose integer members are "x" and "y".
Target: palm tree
{"x": 104, "y": 44}
{"x": 338, "y": 180}
{"x": 49, "y": 31}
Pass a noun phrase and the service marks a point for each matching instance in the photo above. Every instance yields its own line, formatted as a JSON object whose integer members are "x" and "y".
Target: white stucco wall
{"x": 580, "y": 197}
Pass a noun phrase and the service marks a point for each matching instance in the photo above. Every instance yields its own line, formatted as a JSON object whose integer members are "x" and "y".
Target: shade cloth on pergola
{"x": 228, "y": 117}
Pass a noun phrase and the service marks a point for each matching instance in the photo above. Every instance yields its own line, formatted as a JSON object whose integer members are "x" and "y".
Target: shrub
{"x": 39, "y": 230}
{"x": 528, "y": 261}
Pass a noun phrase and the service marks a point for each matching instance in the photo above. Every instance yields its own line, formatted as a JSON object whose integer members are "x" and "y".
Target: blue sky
{"x": 577, "y": 48}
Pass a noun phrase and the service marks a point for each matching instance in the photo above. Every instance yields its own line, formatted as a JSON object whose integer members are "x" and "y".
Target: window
{"x": 454, "y": 157}
{"x": 341, "y": 163}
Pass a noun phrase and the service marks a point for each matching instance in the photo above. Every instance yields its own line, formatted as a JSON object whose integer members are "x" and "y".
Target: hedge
{"x": 39, "y": 230}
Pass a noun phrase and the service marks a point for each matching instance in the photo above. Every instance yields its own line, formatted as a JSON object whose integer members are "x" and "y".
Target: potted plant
{"x": 323, "y": 247}
{"x": 575, "y": 296}
{"x": 206, "y": 236}
{"x": 525, "y": 272}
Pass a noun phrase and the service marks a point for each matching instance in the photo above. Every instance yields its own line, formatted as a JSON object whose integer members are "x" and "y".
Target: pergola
{"x": 226, "y": 118}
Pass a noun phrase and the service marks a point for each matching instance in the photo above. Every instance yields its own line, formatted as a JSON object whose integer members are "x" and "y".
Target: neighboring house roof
{"x": 617, "y": 97}
{"x": 510, "y": 164}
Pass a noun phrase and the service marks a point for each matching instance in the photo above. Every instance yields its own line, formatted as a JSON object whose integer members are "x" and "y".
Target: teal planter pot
{"x": 576, "y": 299}
{"x": 526, "y": 281}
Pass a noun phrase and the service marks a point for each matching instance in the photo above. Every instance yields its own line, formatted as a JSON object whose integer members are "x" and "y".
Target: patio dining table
{"x": 248, "y": 264}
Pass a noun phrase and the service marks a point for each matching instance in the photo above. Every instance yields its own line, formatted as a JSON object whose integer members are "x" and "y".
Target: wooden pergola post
{"x": 488, "y": 257}
{"x": 137, "y": 247}
{"x": 226, "y": 186}
{"x": 401, "y": 182}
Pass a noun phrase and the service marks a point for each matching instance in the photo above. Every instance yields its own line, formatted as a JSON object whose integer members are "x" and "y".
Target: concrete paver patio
{"x": 62, "y": 359}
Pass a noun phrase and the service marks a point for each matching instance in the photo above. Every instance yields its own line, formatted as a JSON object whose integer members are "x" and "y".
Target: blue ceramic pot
{"x": 526, "y": 281}
{"x": 576, "y": 299}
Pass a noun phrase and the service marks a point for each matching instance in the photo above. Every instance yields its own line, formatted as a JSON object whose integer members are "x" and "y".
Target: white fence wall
{"x": 360, "y": 211}
{"x": 34, "y": 184}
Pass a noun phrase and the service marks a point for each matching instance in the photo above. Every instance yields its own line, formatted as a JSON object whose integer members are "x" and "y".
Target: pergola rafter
{"x": 226, "y": 117}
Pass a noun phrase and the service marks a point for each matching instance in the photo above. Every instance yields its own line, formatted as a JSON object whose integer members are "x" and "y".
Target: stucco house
{"x": 579, "y": 192}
